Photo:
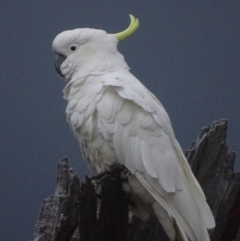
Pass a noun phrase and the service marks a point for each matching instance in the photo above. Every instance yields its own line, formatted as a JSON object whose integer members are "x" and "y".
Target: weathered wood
{"x": 213, "y": 166}
{"x": 113, "y": 215}
{"x": 58, "y": 216}
{"x": 74, "y": 213}
{"x": 88, "y": 214}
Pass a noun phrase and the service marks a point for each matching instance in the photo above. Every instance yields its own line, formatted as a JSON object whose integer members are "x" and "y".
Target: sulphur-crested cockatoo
{"x": 117, "y": 120}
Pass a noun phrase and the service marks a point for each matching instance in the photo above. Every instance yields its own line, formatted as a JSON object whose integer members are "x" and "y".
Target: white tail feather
{"x": 181, "y": 209}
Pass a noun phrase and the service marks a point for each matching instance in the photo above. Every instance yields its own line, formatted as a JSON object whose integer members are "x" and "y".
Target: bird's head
{"x": 88, "y": 49}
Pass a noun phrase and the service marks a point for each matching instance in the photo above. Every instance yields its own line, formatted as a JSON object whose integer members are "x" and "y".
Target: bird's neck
{"x": 93, "y": 71}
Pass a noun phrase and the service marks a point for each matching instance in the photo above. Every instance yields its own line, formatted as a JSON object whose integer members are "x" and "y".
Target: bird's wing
{"x": 139, "y": 129}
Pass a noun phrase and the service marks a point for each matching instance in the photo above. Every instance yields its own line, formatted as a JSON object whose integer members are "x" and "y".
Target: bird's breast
{"x": 82, "y": 116}
{"x": 97, "y": 153}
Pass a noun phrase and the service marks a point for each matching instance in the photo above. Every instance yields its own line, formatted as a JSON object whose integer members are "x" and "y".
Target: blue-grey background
{"x": 186, "y": 52}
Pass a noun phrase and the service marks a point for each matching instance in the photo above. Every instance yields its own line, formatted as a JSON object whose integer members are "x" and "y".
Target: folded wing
{"x": 138, "y": 128}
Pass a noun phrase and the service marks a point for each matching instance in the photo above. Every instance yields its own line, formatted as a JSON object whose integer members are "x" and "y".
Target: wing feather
{"x": 157, "y": 152}
{"x": 123, "y": 117}
{"x": 144, "y": 142}
{"x": 136, "y": 154}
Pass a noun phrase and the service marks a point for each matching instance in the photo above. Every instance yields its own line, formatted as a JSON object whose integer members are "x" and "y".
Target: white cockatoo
{"x": 117, "y": 120}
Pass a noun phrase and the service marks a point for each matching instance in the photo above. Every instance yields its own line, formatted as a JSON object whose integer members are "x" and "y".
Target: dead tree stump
{"x": 76, "y": 213}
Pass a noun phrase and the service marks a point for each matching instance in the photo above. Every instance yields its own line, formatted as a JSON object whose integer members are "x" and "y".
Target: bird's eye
{"x": 73, "y": 48}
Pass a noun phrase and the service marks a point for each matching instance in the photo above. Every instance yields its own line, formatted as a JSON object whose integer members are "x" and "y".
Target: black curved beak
{"x": 59, "y": 59}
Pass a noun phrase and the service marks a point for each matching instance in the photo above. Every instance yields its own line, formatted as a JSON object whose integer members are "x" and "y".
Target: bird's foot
{"x": 111, "y": 172}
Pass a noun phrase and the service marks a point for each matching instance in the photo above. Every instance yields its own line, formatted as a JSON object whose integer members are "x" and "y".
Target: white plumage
{"x": 118, "y": 120}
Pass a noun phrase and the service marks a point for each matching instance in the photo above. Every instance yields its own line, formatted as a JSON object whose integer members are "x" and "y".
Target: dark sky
{"x": 186, "y": 52}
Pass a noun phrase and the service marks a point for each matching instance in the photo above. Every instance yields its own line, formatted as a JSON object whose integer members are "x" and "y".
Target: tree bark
{"x": 86, "y": 212}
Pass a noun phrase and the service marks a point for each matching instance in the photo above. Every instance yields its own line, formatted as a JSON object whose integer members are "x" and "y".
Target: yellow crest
{"x": 134, "y": 24}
